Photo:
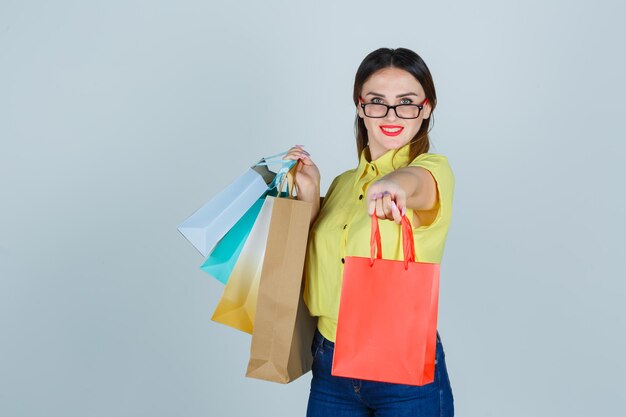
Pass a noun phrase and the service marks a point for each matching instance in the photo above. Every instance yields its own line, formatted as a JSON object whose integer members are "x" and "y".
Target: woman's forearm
{"x": 313, "y": 197}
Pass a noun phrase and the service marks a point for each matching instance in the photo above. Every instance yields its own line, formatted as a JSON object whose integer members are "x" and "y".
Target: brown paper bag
{"x": 283, "y": 328}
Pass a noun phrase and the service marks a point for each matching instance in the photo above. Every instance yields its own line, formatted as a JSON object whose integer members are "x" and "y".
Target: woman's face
{"x": 391, "y": 86}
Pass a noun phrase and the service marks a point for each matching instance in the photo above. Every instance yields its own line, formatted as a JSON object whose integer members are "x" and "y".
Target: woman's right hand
{"x": 307, "y": 178}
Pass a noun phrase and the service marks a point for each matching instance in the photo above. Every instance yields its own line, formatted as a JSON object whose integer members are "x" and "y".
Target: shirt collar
{"x": 385, "y": 164}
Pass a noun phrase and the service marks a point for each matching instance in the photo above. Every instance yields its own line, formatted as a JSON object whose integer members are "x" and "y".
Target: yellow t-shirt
{"x": 343, "y": 226}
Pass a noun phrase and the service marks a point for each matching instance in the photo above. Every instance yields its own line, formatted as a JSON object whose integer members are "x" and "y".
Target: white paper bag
{"x": 204, "y": 228}
{"x": 210, "y": 223}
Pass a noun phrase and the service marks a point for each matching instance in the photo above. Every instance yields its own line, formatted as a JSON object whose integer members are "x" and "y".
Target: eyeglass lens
{"x": 403, "y": 111}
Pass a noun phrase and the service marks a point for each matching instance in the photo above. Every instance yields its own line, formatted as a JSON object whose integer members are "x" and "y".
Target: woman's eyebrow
{"x": 372, "y": 93}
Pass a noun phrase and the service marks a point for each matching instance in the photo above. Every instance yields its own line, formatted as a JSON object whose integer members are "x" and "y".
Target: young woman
{"x": 394, "y": 97}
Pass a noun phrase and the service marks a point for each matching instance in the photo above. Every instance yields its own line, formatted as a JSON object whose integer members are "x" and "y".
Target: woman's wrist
{"x": 313, "y": 197}
{"x": 310, "y": 195}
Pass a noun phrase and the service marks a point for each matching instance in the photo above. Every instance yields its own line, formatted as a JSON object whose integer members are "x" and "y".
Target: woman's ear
{"x": 426, "y": 111}
{"x": 359, "y": 109}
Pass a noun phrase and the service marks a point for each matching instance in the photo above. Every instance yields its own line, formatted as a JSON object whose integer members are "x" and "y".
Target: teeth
{"x": 392, "y": 130}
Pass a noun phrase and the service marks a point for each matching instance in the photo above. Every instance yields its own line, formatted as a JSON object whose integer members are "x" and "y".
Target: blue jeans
{"x": 333, "y": 396}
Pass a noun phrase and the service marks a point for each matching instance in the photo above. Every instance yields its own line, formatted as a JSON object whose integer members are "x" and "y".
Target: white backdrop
{"x": 120, "y": 118}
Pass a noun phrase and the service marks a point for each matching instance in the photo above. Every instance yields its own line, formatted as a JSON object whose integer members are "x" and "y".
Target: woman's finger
{"x": 295, "y": 151}
{"x": 299, "y": 148}
{"x": 401, "y": 204}
{"x": 296, "y": 154}
{"x": 371, "y": 206}
{"x": 387, "y": 205}
{"x": 380, "y": 211}
{"x": 372, "y": 196}
{"x": 395, "y": 212}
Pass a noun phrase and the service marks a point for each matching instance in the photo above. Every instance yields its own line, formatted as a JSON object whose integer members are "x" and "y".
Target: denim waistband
{"x": 320, "y": 339}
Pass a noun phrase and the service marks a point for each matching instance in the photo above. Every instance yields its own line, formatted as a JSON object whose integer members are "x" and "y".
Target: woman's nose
{"x": 391, "y": 114}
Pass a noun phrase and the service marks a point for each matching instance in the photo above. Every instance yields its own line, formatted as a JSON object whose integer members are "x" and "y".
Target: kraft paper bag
{"x": 387, "y": 324}
{"x": 237, "y": 306}
{"x": 283, "y": 329}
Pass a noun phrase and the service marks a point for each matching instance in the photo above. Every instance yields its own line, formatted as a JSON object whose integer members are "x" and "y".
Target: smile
{"x": 391, "y": 130}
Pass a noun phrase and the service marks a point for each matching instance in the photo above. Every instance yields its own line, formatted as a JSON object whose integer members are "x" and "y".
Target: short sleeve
{"x": 439, "y": 168}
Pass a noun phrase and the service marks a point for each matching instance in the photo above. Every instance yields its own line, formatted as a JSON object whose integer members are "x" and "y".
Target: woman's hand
{"x": 387, "y": 199}
{"x": 307, "y": 176}
{"x": 409, "y": 187}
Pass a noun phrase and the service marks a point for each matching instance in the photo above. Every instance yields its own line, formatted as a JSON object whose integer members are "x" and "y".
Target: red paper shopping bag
{"x": 387, "y": 325}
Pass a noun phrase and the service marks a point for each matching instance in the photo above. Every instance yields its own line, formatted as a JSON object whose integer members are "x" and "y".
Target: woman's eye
{"x": 377, "y": 100}
{"x": 406, "y": 101}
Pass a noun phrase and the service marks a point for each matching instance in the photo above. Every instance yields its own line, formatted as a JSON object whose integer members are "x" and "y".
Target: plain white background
{"x": 118, "y": 119}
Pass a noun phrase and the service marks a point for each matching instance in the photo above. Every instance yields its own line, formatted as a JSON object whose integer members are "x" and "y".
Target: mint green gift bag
{"x": 221, "y": 261}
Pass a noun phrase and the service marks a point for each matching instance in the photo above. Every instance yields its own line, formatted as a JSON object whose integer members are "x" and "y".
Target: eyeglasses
{"x": 403, "y": 111}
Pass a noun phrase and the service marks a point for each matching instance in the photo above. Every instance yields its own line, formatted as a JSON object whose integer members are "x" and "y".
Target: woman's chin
{"x": 392, "y": 143}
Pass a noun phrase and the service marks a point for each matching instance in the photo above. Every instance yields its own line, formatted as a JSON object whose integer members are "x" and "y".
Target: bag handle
{"x": 281, "y": 175}
{"x": 285, "y": 175}
{"x": 408, "y": 244}
{"x": 262, "y": 169}
{"x": 289, "y": 178}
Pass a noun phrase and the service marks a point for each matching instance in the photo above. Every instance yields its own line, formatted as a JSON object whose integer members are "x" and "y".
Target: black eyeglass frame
{"x": 419, "y": 106}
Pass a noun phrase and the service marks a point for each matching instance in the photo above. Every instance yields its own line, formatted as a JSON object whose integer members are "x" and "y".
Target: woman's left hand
{"x": 387, "y": 200}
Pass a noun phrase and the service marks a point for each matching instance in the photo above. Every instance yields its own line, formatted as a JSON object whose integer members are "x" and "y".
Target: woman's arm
{"x": 410, "y": 187}
{"x": 312, "y": 196}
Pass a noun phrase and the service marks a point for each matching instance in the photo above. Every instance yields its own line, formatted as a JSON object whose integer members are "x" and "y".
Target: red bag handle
{"x": 408, "y": 244}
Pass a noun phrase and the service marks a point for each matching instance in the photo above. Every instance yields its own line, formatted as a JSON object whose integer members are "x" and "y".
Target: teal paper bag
{"x": 220, "y": 263}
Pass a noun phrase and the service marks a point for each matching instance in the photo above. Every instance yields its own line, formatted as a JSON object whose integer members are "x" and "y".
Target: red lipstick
{"x": 391, "y": 130}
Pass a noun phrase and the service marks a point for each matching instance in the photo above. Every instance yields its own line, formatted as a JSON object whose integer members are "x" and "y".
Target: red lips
{"x": 396, "y": 130}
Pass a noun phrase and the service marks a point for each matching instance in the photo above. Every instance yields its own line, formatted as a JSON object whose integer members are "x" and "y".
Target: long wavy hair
{"x": 411, "y": 62}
